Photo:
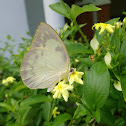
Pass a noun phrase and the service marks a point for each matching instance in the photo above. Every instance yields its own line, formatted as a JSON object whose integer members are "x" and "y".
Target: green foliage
{"x": 77, "y": 48}
{"x": 96, "y": 90}
{"x": 72, "y": 13}
{"x": 96, "y": 102}
{"x": 61, "y": 119}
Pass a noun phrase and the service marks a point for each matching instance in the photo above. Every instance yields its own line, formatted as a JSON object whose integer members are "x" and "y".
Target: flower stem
{"x": 82, "y": 34}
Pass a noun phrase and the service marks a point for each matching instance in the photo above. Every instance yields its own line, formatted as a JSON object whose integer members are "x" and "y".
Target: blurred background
{"x": 17, "y": 17}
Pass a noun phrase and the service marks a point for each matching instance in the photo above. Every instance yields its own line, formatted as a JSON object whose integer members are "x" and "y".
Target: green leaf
{"x": 72, "y": 31}
{"x": 36, "y": 99}
{"x": 6, "y": 106}
{"x": 119, "y": 122}
{"x": 97, "y": 115}
{"x": 88, "y": 118}
{"x": 123, "y": 49}
{"x": 47, "y": 124}
{"x": 62, "y": 118}
{"x": 112, "y": 21}
{"x": 77, "y": 48}
{"x": 80, "y": 111}
{"x": 16, "y": 88}
{"x": 106, "y": 116}
{"x": 47, "y": 110}
{"x": 124, "y": 12}
{"x": 96, "y": 87}
{"x": 61, "y": 8}
{"x": 38, "y": 118}
{"x": 123, "y": 85}
{"x": 72, "y": 13}
{"x": 2, "y": 91}
{"x": 22, "y": 113}
{"x": 76, "y": 10}
{"x": 13, "y": 124}
{"x": 87, "y": 61}
{"x": 14, "y": 69}
{"x": 115, "y": 41}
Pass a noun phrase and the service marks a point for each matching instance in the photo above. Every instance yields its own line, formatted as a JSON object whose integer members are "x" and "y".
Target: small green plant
{"x": 94, "y": 96}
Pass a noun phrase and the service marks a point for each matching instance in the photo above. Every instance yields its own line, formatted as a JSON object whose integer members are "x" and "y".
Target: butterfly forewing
{"x": 47, "y": 60}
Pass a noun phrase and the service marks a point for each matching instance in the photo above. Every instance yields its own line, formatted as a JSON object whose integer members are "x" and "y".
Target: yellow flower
{"x": 4, "y": 81}
{"x": 8, "y": 80}
{"x": 104, "y": 27}
{"x": 76, "y": 76}
{"x": 62, "y": 90}
{"x": 55, "y": 112}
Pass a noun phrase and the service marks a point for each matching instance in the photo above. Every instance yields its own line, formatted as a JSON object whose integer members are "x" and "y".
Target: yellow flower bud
{"x": 108, "y": 59}
{"x": 117, "y": 85}
{"x": 66, "y": 26}
{"x": 94, "y": 44}
{"x": 124, "y": 21}
{"x": 55, "y": 112}
{"x": 76, "y": 60}
{"x": 118, "y": 25}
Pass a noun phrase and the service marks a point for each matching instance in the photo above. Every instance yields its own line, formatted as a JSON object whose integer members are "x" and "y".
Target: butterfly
{"x": 47, "y": 61}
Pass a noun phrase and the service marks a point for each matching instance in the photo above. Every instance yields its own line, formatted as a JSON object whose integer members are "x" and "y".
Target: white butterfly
{"x": 47, "y": 61}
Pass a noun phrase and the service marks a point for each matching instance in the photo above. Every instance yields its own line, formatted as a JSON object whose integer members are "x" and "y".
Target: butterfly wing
{"x": 47, "y": 61}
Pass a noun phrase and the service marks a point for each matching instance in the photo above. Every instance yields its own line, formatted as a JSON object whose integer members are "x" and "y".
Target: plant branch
{"x": 82, "y": 34}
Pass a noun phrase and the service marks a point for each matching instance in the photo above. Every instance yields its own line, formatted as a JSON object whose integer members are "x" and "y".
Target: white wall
{"x": 52, "y": 18}
{"x": 13, "y": 19}
{"x": 19, "y": 16}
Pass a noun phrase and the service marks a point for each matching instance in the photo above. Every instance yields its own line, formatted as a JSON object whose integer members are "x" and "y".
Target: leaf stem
{"x": 82, "y": 34}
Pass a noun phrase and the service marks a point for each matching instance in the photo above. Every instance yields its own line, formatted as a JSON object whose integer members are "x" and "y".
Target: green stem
{"x": 82, "y": 34}
{"x": 75, "y": 22}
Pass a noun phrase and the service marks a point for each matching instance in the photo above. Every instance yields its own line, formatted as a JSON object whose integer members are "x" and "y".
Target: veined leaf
{"x": 47, "y": 124}
{"x": 77, "y": 48}
{"x": 47, "y": 110}
{"x": 35, "y": 99}
{"x": 97, "y": 115}
{"x": 106, "y": 116}
{"x": 86, "y": 61}
{"x": 22, "y": 113}
{"x": 6, "y": 106}
{"x": 111, "y": 21}
{"x": 123, "y": 85}
{"x": 62, "y": 9}
{"x": 62, "y": 118}
{"x": 123, "y": 49}
{"x": 96, "y": 87}
{"x": 76, "y": 10}
{"x": 80, "y": 111}
{"x": 72, "y": 13}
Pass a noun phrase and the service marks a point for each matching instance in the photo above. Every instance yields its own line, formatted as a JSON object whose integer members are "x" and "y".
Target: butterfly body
{"x": 47, "y": 61}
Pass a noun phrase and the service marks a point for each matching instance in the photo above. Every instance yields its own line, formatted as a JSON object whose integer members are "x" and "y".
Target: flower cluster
{"x": 108, "y": 55}
{"x": 8, "y": 80}
{"x": 62, "y": 88}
